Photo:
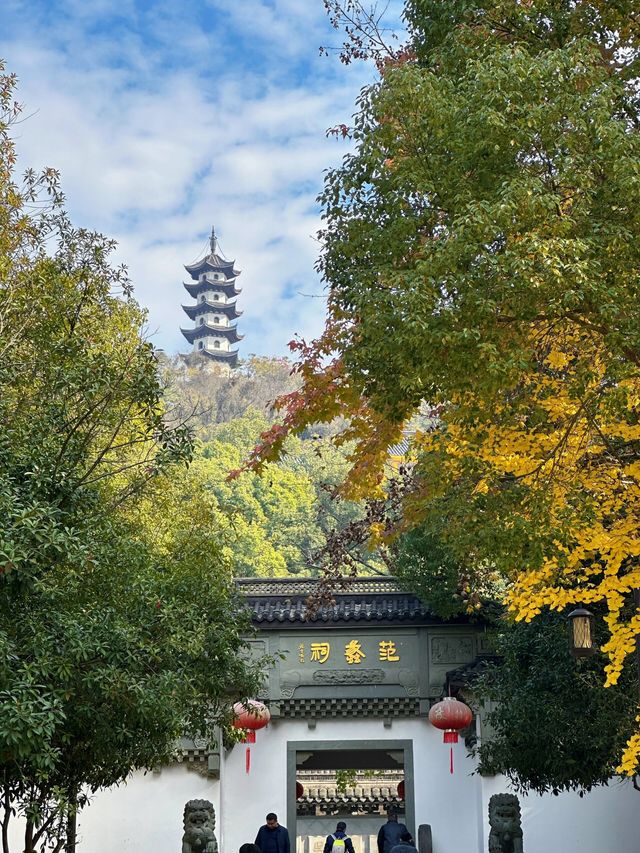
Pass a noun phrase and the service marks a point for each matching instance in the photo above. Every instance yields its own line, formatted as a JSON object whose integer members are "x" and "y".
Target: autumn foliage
{"x": 481, "y": 254}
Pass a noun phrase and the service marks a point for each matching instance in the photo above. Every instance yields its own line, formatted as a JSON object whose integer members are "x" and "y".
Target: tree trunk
{"x": 6, "y": 805}
{"x": 28, "y": 837}
{"x": 72, "y": 822}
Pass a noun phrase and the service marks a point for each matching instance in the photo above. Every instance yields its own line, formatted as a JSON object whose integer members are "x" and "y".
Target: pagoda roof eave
{"x": 228, "y": 309}
{"x": 205, "y": 330}
{"x": 220, "y": 354}
{"x": 211, "y": 262}
{"x": 195, "y": 288}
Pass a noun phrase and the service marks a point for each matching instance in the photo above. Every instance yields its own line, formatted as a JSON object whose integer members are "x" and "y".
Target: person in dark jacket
{"x": 273, "y": 838}
{"x": 390, "y": 832}
{"x": 344, "y": 845}
{"x": 406, "y": 844}
{"x": 249, "y": 848}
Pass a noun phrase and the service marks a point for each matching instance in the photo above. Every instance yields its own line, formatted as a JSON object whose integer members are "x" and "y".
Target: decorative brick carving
{"x": 287, "y": 586}
{"x": 289, "y": 680}
{"x": 409, "y": 680}
{"x": 447, "y": 650}
{"x": 312, "y": 708}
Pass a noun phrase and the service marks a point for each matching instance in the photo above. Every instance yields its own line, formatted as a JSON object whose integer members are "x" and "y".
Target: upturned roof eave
{"x": 220, "y": 355}
{"x": 205, "y": 330}
{"x": 211, "y": 262}
{"x": 229, "y": 309}
{"x": 194, "y": 288}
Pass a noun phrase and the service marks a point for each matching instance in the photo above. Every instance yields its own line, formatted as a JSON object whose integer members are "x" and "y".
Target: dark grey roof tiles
{"x": 293, "y": 587}
{"x": 464, "y": 676}
{"x": 377, "y": 600}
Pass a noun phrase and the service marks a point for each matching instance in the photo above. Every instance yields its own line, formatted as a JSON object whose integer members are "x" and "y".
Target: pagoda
{"x": 213, "y": 286}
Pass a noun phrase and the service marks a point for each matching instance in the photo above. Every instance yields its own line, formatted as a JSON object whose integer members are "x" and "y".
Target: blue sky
{"x": 165, "y": 118}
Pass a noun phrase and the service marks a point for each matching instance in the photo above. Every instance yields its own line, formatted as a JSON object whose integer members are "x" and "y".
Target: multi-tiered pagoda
{"x": 214, "y": 288}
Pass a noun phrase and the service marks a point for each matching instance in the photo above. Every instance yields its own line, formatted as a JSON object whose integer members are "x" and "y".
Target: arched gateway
{"x": 349, "y": 695}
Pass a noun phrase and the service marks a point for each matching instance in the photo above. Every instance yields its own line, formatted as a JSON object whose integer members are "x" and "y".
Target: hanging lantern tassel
{"x": 250, "y": 738}
{"x": 450, "y": 736}
{"x": 249, "y": 716}
{"x": 450, "y": 716}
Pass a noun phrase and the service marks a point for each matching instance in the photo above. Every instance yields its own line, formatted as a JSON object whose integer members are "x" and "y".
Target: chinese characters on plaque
{"x": 320, "y": 652}
{"x": 352, "y": 651}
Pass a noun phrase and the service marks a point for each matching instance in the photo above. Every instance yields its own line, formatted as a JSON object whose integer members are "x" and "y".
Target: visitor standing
{"x": 391, "y": 832}
{"x": 339, "y": 841}
{"x": 273, "y": 838}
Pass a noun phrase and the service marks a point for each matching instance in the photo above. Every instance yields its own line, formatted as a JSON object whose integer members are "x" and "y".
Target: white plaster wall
{"x": 603, "y": 821}
{"x": 440, "y": 798}
{"x": 224, "y": 344}
{"x": 210, "y": 318}
{"x": 145, "y": 814}
{"x": 208, "y": 344}
{"x": 212, "y": 296}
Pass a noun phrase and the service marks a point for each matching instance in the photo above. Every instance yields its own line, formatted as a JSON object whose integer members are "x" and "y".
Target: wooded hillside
{"x": 271, "y": 525}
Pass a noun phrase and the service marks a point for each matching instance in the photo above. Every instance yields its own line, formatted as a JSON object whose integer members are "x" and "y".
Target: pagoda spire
{"x": 214, "y": 288}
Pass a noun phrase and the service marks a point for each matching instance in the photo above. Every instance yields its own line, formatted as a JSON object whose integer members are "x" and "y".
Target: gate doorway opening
{"x": 350, "y": 781}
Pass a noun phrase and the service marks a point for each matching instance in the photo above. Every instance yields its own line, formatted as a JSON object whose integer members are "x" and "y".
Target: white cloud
{"x": 166, "y": 118}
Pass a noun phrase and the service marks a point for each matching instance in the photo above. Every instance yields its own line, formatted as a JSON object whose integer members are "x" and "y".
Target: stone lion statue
{"x": 199, "y": 823}
{"x": 504, "y": 819}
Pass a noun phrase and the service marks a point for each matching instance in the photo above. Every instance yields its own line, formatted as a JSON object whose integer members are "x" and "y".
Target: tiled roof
{"x": 464, "y": 676}
{"x": 279, "y": 602}
{"x": 349, "y": 804}
{"x": 306, "y": 586}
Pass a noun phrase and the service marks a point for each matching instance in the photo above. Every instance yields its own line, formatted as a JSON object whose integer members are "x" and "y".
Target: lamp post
{"x": 582, "y": 637}
{"x": 582, "y": 641}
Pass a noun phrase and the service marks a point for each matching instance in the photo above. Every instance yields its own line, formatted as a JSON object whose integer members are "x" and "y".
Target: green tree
{"x": 553, "y": 726}
{"x": 278, "y": 523}
{"x": 427, "y": 567}
{"x": 113, "y": 641}
{"x": 271, "y": 521}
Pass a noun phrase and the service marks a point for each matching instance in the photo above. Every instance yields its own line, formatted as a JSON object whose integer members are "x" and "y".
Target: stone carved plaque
{"x": 348, "y": 676}
{"x": 354, "y": 661}
{"x": 446, "y": 650}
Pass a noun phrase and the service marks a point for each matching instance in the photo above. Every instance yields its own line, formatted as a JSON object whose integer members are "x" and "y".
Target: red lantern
{"x": 250, "y": 716}
{"x": 299, "y": 791}
{"x": 450, "y": 715}
{"x": 401, "y": 789}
